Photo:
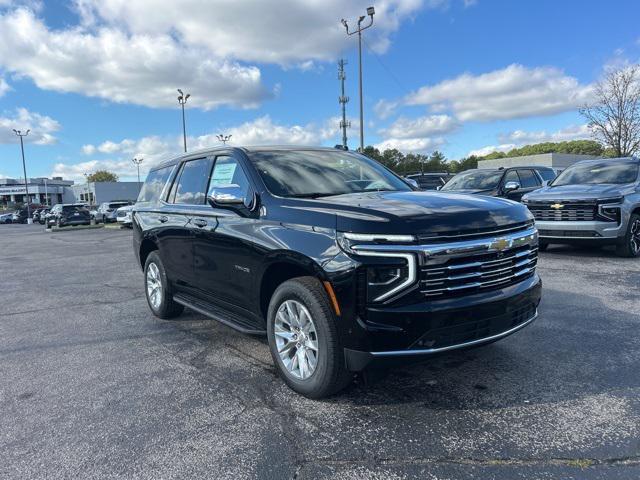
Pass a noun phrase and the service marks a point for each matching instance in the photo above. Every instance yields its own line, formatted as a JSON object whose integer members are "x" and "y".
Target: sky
{"x": 95, "y": 80}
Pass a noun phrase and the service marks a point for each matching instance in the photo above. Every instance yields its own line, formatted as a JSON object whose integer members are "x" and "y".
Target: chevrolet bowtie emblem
{"x": 556, "y": 206}
{"x": 500, "y": 244}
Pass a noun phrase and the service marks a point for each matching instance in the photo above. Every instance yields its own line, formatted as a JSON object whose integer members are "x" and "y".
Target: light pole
{"x": 224, "y": 138}
{"x": 182, "y": 99}
{"x": 137, "y": 162}
{"x": 24, "y": 169}
{"x": 370, "y": 11}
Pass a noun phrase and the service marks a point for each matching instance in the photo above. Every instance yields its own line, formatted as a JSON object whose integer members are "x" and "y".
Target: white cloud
{"x": 154, "y": 149}
{"x": 283, "y": 32}
{"x": 513, "y": 92}
{"x": 470, "y": 3}
{"x": 411, "y": 144}
{"x": 481, "y": 152}
{"x": 518, "y": 138}
{"x": 385, "y": 108}
{"x": 4, "y": 86}
{"x": 41, "y": 127}
{"x": 572, "y": 132}
{"x": 420, "y": 127}
{"x": 143, "y": 69}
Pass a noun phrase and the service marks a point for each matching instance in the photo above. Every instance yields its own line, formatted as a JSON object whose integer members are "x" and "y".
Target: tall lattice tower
{"x": 343, "y": 99}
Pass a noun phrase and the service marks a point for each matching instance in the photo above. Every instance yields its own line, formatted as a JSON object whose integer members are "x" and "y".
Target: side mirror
{"x": 511, "y": 186}
{"x": 545, "y": 183}
{"x": 226, "y": 196}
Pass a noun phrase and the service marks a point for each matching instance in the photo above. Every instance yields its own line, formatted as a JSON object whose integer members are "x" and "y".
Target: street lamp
{"x": 224, "y": 138}
{"x": 24, "y": 169}
{"x": 370, "y": 11}
{"x": 182, "y": 99}
{"x": 137, "y": 162}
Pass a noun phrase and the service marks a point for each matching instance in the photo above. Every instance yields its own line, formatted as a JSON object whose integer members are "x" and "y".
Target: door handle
{"x": 200, "y": 222}
{"x": 163, "y": 219}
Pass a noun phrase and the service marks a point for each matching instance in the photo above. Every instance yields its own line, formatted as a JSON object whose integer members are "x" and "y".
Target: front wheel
{"x": 630, "y": 245}
{"x": 304, "y": 340}
{"x": 542, "y": 246}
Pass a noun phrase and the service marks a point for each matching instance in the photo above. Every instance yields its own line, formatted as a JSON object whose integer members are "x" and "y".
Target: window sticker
{"x": 223, "y": 173}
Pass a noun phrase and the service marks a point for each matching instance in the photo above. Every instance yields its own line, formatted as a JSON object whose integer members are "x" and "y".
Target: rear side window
{"x": 191, "y": 184}
{"x": 547, "y": 174}
{"x": 528, "y": 179}
{"x": 154, "y": 185}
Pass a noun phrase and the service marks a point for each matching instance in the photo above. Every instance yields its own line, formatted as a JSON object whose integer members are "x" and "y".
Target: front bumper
{"x": 429, "y": 328}
{"x": 567, "y": 231}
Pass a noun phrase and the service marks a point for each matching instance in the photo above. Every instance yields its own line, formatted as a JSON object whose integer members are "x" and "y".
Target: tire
{"x": 329, "y": 375}
{"x": 542, "y": 246}
{"x": 630, "y": 244}
{"x": 165, "y": 308}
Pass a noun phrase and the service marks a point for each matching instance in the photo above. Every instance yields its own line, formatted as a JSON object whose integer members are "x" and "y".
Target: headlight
{"x": 395, "y": 271}
{"x": 384, "y": 279}
{"x": 609, "y": 212}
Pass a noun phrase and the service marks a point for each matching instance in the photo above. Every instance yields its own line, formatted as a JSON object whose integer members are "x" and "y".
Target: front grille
{"x": 563, "y": 211}
{"x": 464, "y": 330}
{"x": 478, "y": 273}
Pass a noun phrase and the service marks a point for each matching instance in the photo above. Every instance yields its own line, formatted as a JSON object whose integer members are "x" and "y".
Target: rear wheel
{"x": 304, "y": 340}
{"x": 630, "y": 245}
{"x": 158, "y": 290}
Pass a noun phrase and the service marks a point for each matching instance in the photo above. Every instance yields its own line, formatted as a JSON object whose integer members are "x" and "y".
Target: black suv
{"x": 63, "y": 214}
{"x": 511, "y": 183}
{"x": 333, "y": 257}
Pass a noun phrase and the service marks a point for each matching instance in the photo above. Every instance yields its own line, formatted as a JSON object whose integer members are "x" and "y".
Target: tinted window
{"x": 528, "y": 179}
{"x": 192, "y": 183}
{"x": 511, "y": 176}
{"x": 608, "y": 171}
{"x": 118, "y": 204}
{"x": 316, "y": 173}
{"x": 227, "y": 171}
{"x": 154, "y": 184}
{"x": 474, "y": 180}
{"x": 547, "y": 174}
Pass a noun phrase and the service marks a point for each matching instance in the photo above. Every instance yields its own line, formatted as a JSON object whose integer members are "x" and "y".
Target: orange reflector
{"x": 332, "y": 296}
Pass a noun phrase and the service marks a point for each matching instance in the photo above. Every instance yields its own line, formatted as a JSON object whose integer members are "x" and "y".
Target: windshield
{"x": 118, "y": 204}
{"x": 318, "y": 173}
{"x": 601, "y": 172}
{"x": 474, "y": 180}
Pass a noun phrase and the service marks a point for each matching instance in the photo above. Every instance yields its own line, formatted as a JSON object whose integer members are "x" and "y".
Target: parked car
{"x": 594, "y": 202}
{"x": 430, "y": 181}
{"x": 123, "y": 215}
{"x": 63, "y": 214}
{"x": 106, "y": 212}
{"x": 6, "y": 217}
{"x": 511, "y": 183}
{"x": 333, "y": 257}
{"x": 22, "y": 214}
{"x": 42, "y": 215}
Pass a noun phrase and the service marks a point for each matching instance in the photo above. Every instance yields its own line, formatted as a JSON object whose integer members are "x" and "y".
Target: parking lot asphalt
{"x": 94, "y": 386}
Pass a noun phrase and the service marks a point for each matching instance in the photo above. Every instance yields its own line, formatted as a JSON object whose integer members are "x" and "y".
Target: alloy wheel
{"x": 296, "y": 339}
{"x": 154, "y": 286}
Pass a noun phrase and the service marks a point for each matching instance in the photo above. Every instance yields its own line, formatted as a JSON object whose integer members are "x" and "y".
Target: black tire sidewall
{"x": 625, "y": 249}
{"x": 167, "y": 309}
{"x": 329, "y": 354}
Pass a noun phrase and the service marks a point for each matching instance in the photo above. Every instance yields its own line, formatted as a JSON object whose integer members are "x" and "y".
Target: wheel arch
{"x": 146, "y": 247}
{"x": 282, "y": 267}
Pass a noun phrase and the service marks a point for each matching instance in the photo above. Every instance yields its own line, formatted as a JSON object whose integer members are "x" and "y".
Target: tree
{"x": 614, "y": 116}
{"x": 102, "y": 176}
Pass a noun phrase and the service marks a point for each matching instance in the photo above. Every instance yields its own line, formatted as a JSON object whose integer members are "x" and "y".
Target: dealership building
{"x": 49, "y": 191}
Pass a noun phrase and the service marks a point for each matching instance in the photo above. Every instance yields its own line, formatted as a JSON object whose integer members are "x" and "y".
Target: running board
{"x": 219, "y": 314}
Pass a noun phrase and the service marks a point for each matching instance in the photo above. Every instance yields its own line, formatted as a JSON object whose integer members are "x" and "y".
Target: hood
{"x": 578, "y": 192}
{"x": 417, "y": 213}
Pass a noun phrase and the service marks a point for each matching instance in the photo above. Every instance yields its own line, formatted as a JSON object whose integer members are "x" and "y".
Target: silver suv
{"x": 592, "y": 202}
